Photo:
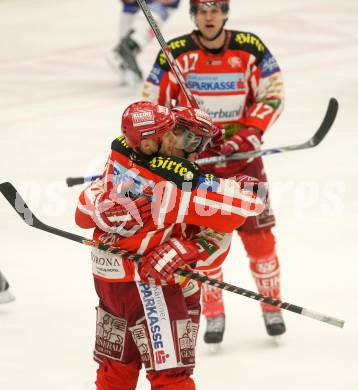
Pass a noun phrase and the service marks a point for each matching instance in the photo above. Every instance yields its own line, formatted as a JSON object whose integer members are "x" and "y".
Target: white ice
{"x": 60, "y": 109}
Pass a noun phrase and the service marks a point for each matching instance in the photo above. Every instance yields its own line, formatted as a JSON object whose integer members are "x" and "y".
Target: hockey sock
{"x": 113, "y": 375}
{"x": 264, "y": 263}
{"x": 212, "y": 297}
{"x": 171, "y": 380}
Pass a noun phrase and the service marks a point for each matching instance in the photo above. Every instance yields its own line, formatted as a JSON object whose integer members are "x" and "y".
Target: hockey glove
{"x": 117, "y": 213}
{"x": 245, "y": 140}
{"x": 247, "y": 183}
{"x": 161, "y": 262}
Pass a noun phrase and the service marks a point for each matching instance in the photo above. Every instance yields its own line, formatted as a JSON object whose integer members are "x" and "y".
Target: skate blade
{"x": 6, "y": 297}
{"x": 214, "y": 348}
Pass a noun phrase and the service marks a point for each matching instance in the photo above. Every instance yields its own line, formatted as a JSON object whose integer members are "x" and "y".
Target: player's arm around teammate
{"x": 140, "y": 323}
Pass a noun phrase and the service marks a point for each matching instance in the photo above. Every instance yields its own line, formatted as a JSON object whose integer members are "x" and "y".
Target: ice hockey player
{"x": 5, "y": 293}
{"x": 238, "y": 82}
{"x": 140, "y": 323}
{"x": 135, "y": 35}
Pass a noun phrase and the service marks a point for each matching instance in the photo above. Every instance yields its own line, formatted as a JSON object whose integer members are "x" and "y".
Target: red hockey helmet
{"x": 144, "y": 120}
{"x": 223, "y": 4}
{"x": 198, "y": 128}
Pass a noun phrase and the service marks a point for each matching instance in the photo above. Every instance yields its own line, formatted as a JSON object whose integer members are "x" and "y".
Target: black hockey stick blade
{"x": 19, "y": 205}
{"x": 318, "y": 136}
{"x": 326, "y": 124}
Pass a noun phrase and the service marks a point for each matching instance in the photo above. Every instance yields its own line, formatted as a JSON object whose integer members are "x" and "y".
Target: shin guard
{"x": 264, "y": 263}
{"x": 212, "y": 297}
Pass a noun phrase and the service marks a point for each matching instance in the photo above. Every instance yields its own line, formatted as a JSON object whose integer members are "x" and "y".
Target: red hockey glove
{"x": 247, "y": 183}
{"x": 251, "y": 185}
{"x": 245, "y": 140}
{"x": 162, "y": 261}
{"x": 117, "y": 213}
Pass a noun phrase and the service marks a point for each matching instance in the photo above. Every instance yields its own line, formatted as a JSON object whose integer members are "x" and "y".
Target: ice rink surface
{"x": 60, "y": 108}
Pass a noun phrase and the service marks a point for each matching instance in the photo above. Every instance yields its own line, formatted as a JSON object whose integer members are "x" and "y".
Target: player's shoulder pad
{"x": 185, "y": 174}
{"x": 247, "y": 41}
{"x": 120, "y": 145}
{"x": 178, "y": 46}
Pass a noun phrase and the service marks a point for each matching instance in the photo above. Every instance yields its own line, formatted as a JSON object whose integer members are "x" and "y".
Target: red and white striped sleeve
{"x": 87, "y": 204}
{"x": 223, "y": 208}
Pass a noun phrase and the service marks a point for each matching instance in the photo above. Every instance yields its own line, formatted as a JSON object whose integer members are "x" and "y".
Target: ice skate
{"x": 214, "y": 333}
{"x": 122, "y": 59}
{"x": 5, "y": 294}
{"x": 275, "y": 325}
{"x": 115, "y": 62}
{"x": 125, "y": 75}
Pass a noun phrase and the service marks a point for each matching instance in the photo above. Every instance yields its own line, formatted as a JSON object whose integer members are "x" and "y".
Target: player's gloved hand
{"x": 247, "y": 183}
{"x": 245, "y": 140}
{"x": 117, "y": 213}
{"x": 161, "y": 262}
{"x": 254, "y": 192}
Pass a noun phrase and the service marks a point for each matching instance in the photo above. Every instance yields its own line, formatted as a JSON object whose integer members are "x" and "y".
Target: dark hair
{"x": 224, "y": 5}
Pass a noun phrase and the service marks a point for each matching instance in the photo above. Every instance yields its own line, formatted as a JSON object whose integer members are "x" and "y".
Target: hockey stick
{"x": 19, "y": 205}
{"x": 73, "y": 181}
{"x": 168, "y": 54}
{"x": 315, "y": 140}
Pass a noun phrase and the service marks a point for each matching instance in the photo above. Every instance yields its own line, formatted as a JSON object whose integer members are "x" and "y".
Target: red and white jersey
{"x": 185, "y": 203}
{"x": 240, "y": 85}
